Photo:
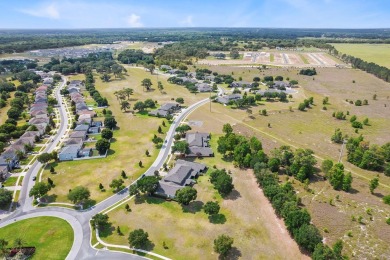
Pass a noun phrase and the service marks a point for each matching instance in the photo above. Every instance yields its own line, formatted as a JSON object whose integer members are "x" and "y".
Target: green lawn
{"x": 52, "y": 237}
{"x": 11, "y": 181}
{"x": 378, "y": 53}
{"x": 304, "y": 59}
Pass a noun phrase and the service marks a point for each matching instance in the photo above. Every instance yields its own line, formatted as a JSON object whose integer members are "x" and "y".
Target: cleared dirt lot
{"x": 281, "y": 58}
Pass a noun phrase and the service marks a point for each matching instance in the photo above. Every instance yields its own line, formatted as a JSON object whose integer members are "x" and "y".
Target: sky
{"x": 67, "y": 14}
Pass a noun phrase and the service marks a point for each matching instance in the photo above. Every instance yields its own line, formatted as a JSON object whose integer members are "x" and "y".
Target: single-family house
{"x": 35, "y": 121}
{"x": 182, "y": 174}
{"x": 79, "y": 142}
{"x": 240, "y": 84}
{"x": 94, "y": 129}
{"x": 81, "y": 106}
{"x": 79, "y": 134}
{"x": 87, "y": 112}
{"x": 280, "y": 85}
{"x": 165, "y": 67}
{"x": 48, "y": 81}
{"x": 187, "y": 80}
{"x": 165, "y": 110}
{"x": 204, "y": 87}
{"x": 198, "y": 145}
{"x": 227, "y": 98}
{"x": 68, "y": 153}
{"x": 85, "y": 119}
{"x": 82, "y": 128}
{"x": 31, "y": 134}
{"x": 25, "y": 141}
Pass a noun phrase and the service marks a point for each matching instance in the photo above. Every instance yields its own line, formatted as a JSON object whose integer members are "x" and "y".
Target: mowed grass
{"x": 377, "y": 53}
{"x": 131, "y": 139}
{"x": 189, "y": 233}
{"x": 52, "y": 237}
{"x": 304, "y": 59}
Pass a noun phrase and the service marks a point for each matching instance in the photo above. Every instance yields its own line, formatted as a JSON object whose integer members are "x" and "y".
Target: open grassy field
{"x": 377, "y": 53}
{"x": 312, "y": 129}
{"x": 52, "y": 237}
{"x": 131, "y": 139}
{"x": 188, "y": 232}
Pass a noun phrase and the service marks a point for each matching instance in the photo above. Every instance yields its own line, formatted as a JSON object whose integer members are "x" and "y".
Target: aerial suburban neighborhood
{"x": 207, "y": 130}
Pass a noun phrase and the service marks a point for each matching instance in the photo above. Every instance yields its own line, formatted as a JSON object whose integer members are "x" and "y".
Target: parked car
{"x": 34, "y": 178}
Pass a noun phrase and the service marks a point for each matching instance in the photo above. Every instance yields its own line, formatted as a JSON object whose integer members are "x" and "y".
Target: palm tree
{"x": 3, "y": 247}
{"x": 125, "y": 105}
{"x": 19, "y": 243}
{"x": 19, "y": 154}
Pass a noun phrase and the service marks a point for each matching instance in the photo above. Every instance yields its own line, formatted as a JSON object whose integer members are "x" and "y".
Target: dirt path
{"x": 280, "y": 245}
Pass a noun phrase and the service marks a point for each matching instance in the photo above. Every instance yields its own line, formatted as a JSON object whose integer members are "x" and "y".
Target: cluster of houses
{"x": 190, "y": 77}
{"x": 74, "y": 147}
{"x": 167, "y": 109}
{"x": 9, "y": 159}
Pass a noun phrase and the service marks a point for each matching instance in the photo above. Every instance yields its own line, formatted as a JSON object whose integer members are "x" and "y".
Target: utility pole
{"x": 210, "y": 100}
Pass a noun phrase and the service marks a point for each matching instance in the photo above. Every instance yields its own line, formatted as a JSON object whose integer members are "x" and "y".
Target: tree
{"x": 337, "y": 137}
{"x": 374, "y": 183}
{"x": 146, "y": 83}
{"x": 140, "y": 164}
{"x": 147, "y": 153}
{"x": 186, "y": 195}
{"x": 302, "y": 107}
{"x": 100, "y": 221}
{"x": 138, "y": 238}
{"x": 224, "y": 184}
{"x": 347, "y": 182}
{"x": 102, "y": 145}
{"x": 211, "y": 208}
{"x": 274, "y": 164}
{"x": 44, "y": 158}
{"x": 336, "y": 176}
{"x": 3, "y": 247}
{"x": 79, "y": 194}
{"x": 117, "y": 185}
{"x": 358, "y": 102}
{"x": 227, "y": 129}
{"x": 39, "y": 190}
{"x": 147, "y": 184}
{"x": 264, "y": 112}
{"x": 140, "y": 106}
{"x": 133, "y": 190}
{"x": 149, "y": 103}
{"x": 14, "y": 113}
{"x": 308, "y": 236}
{"x": 183, "y": 128}
{"x": 105, "y": 77}
{"x": 107, "y": 133}
{"x": 180, "y": 146}
{"x": 5, "y": 197}
{"x": 50, "y": 182}
{"x": 101, "y": 187}
{"x": 386, "y": 199}
{"x": 160, "y": 86}
{"x": 326, "y": 166}
{"x": 110, "y": 122}
{"x": 159, "y": 130}
{"x": 223, "y": 244}
{"x": 123, "y": 174}
{"x": 234, "y": 54}
{"x": 125, "y": 105}
{"x": 180, "y": 100}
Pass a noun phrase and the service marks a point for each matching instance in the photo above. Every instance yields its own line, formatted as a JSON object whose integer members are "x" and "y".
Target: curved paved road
{"x": 79, "y": 220}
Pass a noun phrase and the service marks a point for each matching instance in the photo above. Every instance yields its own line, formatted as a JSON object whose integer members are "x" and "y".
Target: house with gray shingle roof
{"x": 182, "y": 174}
{"x": 198, "y": 145}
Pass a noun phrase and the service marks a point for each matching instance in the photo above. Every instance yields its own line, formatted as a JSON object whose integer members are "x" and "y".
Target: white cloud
{"x": 134, "y": 21}
{"x": 187, "y": 21}
{"x": 48, "y": 11}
